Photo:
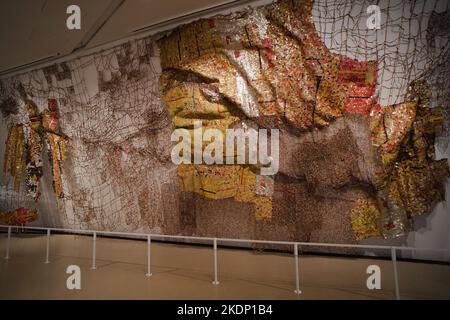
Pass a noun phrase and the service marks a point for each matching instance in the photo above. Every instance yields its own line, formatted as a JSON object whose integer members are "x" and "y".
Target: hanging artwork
{"x": 352, "y": 139}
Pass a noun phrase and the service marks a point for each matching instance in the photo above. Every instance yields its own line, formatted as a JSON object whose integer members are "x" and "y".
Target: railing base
{"x": 215, "y": 283}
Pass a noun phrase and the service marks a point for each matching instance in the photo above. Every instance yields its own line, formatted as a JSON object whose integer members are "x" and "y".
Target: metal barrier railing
{"x": 215, "y": 241}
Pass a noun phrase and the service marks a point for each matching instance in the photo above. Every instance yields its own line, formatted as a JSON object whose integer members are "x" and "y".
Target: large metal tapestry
{"x": 87, "y": 143}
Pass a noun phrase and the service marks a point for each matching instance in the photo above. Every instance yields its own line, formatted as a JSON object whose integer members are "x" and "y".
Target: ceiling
{"x": 31, "y": 30}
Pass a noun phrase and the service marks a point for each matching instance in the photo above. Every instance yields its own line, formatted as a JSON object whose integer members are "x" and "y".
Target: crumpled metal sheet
{"x": 35, "y": 148}
{"x": 266, "y": 64}
{"x": 24, "y": 149}
{"x": 421, "y": 186}
{"x": 222, "y": 182}
{"x": 389, "y": 126}
{"x": 365, "y": 218}
{"x": 269, "y": 65}
{"x": 57, "y": 152}
{"x": 14, "y": 162}
{"x": 410, "y": 181}
{"x": 393, "y": 218}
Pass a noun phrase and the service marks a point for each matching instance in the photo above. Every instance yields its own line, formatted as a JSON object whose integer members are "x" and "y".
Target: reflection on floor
{"x": 185, "y": 272}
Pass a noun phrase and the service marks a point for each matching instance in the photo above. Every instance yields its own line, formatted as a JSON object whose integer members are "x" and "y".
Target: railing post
{"x": 297, "y": 278}
{"x": 394, "y": 263}
{"x": 8, "y": 243}
{"x": 94, "y": 240}
{"x": 149, "y": 270}
{"x": 216, "y": 281}
{"x": 47, "y": 255}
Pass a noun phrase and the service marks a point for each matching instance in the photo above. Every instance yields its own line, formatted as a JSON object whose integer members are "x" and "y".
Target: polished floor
{"x": 186, "y": 272}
